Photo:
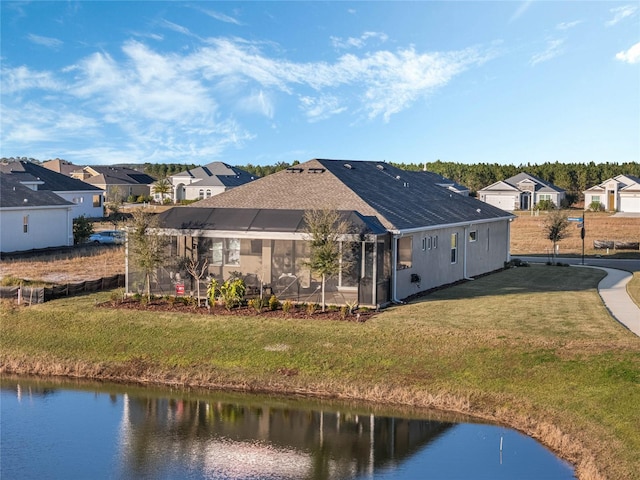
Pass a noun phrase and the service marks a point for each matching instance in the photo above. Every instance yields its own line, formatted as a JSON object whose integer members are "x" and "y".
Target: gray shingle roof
{"x": 541, "y": 185}
{"x": 53, "y": 181}
{"x": 15, "y": 194}
{"x": 399, "y": 199}
{"x": 217, "y": 174}
{"x": 108, "y": 175}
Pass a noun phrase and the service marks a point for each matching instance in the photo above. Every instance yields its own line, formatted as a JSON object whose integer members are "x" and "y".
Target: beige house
{"x": 410, "y": 234}
{"x": 116, "y": 181}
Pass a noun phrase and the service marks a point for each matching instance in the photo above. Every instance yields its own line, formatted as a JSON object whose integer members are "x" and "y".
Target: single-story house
{"x": 62, "y": 166}
{"x": 32, "y": 218}
{"x": 204, "y": 182}
{"x": 88, "y": 199}
{"x": 118, "y": 182}
{"x": 409, "y": 234}
{"x": 521, "y": 192}
{"x": 618, "y": 194}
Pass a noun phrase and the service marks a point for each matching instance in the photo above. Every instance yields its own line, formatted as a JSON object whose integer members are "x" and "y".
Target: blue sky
{"x": 264, "y": 82}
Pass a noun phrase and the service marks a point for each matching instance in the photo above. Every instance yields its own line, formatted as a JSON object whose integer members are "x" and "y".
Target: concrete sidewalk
{"x": 613, "y": 292}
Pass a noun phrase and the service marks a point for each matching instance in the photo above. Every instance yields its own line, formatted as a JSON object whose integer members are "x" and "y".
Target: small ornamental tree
{"x": 162, "y": 187}
{"x": 325, "y": 230}
{"x": 556, "y": 228}
{"x": 197, "y": 269}
{"x": 82, "y": 229}
{"x": 147, "y": 247}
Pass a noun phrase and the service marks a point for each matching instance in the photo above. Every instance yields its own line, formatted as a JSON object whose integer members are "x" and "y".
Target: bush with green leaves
{"x": 596, "y": 206}
{"x": 545, "y": 205}
{"x": 274, "y": 303}
{"x": 82, "y": 229}
{"x": 256, "y": 304}
{"x": 231, "y": 292}
{"x": 287, "y": 305}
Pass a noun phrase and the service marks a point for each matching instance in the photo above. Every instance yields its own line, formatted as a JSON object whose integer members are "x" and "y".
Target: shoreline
{"x": 563, "y": 445}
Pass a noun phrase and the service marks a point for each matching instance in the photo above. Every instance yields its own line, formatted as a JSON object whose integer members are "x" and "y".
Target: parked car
{"x": 107, "y": 236}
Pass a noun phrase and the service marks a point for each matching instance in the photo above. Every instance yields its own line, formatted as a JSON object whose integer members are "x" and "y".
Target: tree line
{"x": 573, "y": 177}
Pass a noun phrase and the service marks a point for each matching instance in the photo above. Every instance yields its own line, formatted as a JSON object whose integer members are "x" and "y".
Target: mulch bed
{"x": 162, "y": 305}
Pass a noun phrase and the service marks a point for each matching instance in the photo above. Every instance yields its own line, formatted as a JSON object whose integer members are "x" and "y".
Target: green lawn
{"x": 533, "y": 348}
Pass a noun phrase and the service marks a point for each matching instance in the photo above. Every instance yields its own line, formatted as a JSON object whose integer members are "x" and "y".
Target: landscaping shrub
{"x": 274, "y": 303}
{"x": 287, "y": 305}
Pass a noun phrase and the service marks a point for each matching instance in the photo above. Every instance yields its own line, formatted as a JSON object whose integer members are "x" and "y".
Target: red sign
{"x": 179, "y": 288}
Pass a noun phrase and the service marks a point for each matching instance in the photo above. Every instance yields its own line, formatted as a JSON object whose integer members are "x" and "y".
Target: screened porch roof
{"x": 256, "y": 220}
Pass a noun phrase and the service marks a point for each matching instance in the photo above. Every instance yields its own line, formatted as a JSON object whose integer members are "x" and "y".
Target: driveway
{"x": 630, "y": 265}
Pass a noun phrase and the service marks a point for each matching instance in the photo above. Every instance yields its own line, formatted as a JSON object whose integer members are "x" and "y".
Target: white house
{"x": 32, "y": 218}
{"x": 204, "y": 182}
{"x": 618, "y": 194}
{"x": 520, "y": 192}
{"x": 87, "y": 199}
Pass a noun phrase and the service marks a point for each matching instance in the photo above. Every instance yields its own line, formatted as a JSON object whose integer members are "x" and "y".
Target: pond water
{"x": 77, "y": 430}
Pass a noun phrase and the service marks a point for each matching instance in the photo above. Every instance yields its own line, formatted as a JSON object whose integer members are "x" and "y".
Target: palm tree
{"x": 163, "y": 187}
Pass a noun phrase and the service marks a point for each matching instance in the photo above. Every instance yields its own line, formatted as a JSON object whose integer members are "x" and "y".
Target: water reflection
{"x": 135, "y": 434}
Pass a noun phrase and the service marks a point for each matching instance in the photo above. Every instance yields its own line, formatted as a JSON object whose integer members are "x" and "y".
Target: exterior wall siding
{"x": 84, "y": 204}
{"x": 434, "y": 267}
{"x": 46, "y": 228}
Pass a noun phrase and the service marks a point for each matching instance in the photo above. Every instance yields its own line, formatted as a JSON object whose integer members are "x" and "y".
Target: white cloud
{"x": 554, "y": 49}
{"x": 220, "y": 16}
{"x": 568, "y": 25}
{"x": 620, "y": 13}
{"x": 524, "y": 6}
{"x": 257, "y": 102}
{"x": 17, "y": 80}
{"x": 320, "y": 108}
{"x": 357, "y": 42}
{"x": 631, "y": 56}
{"x": 149, "y": 105}
{"x": 48, "y": 42}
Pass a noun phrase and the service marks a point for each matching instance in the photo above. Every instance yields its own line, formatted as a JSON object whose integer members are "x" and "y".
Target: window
{"x": 454, "y": 248}
{"x": 435, "y": 241}
{"x": 595, "y": 198}
{"x": 405, "y": 248}
{"x": 225, "y": 251}
{"x": 473, "y": 235}
{"x": 25, "y": 224}
{"x": 544, "y": 196}
{"x": 208, "y": 193}
{"x": 97, "y": 200}
{"x": 201, "y": 194}
{"x": 424, "y": 243}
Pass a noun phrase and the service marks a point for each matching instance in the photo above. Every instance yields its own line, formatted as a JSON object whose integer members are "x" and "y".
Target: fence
{"x": 33, "y": 295}
{"x": 615, "y": 245}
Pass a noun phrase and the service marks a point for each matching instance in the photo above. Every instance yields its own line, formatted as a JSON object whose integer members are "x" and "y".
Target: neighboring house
{"x": 64, "y": 167}
{"x": 88, "y": 199}
{"x": 32, "y": 218}
{"x": 204, "y": 182}
{"x": 521, "y": 192}
{"x": 410, "y": 234}
{"x": 117, "y": 182}
{"x": 617, "y": 194}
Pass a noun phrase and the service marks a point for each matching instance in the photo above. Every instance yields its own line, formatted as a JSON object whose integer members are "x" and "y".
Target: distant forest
{"x": 573, "y": 177}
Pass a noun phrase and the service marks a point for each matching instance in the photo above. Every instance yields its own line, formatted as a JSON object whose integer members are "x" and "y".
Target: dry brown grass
{"x": 528, "y": 236}
{"x": 89, "y": 263}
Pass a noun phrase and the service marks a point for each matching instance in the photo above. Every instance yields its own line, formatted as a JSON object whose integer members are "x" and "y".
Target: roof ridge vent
{"x": 348, "y": 165}
{"x": 316, "y": 170}
{"x": 295, "y": 170}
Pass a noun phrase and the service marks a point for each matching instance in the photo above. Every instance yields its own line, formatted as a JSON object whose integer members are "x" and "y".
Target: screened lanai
{"x": 270, "y": 250}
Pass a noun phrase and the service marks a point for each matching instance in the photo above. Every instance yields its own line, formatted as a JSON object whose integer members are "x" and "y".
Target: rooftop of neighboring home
{"x": 539, "y": 184}
{"x": 215, "y": 174}
{"x": 44, "y": 178}
{"x": 16, "y": 194}
{"x": 625, "y": 182}
{"x": 398, "y": 199}
{"x": 117, "y": 175}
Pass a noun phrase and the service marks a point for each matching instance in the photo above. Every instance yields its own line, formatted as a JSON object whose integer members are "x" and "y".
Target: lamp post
{"x": 582, "y": 233}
